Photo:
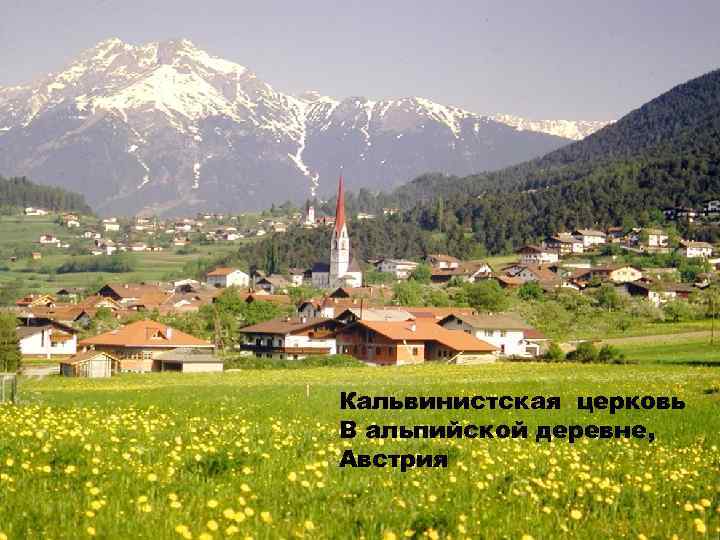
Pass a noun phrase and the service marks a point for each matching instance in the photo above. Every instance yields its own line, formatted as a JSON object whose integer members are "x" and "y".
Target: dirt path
{"x": 662, "y": 338}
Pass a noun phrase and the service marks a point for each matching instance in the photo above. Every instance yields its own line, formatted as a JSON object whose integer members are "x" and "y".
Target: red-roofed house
{"x": 228, "y": 277}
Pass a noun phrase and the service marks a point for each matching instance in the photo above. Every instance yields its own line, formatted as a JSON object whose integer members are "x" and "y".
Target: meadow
{"x": 255, "y": 453}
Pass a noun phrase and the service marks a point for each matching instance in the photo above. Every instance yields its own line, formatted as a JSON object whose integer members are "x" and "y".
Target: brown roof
{"x": 146, "y": 334}
{"x": 88, "y": 355}
{"x": 499, "y": 321}
{"x": 283, "y": 326}
{"x": 222, "y": 271}
{"x": 428, "y": 331}
{"x": 132, "y": 290}
{"x": 281, "y": 299}
{"x": 436, "y": 313}
{"x": 443, "y": 258}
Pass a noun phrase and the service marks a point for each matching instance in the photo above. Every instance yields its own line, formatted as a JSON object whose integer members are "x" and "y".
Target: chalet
{"x": 615, "y": 235}
{"x": 70, "y": 293}
{"x": 290, "y": 338}
{"x": 442, "y": 262}
{"x": 44, "y": 337}
{"x": 72, "y": 223}
{"x": 470, "y": 271}
{"x": 655, "y": 238}
{"x": 616, "y": 274}
{"x": 351, "y": 315}
{"x": 30, "y": 211}
{"x": 533, "y": 272}
{"x": 92, "y": 235}
{"x": 90, "y": 364}
{"x": 537, "y": 255}
{"x": 228, "y": 277}
{"x": 504, "y": 331}
{"x": 137, "y": 344}
{"x": 127, "y": 293}
{"x": 399, "y": 267}
{"x": 693, "y": 250}
{"x": 711, "y": 208}
{"x": 297, "y": 276}
{"x": 36, "y": 300}
{"x": 590, "y": 237}
{"x": 111, "y": 226}
{"x": 564, "y": 244}
{"x": 49, "y": 239}
{"x": 659, "y": 292}
{"x": 411, "y": 342}
{"x": 67, "y": 314}
{"x": 272, "y": 284}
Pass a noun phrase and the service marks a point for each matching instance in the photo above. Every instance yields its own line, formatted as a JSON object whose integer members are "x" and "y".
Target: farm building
{"x": 188, "y": 361}
{"x": 91, "y": 364}
{"x": 137, "y": 344}
{"x": 43, "y": 337}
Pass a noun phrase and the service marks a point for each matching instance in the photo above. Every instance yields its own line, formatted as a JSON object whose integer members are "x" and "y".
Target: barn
{"x": 91, "y": 364}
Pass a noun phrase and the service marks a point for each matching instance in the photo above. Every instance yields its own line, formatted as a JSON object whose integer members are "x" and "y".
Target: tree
{"x": 408, "y": 293}
{"x": 530, "y": 290}
{"x": 421, "y": 274}
{"x": 584, "y": 353}
{"x": 10, "y": 356}
{"x": 607, "y": 297}
{"x": 554, "y": 353}
{"x": 487, "y": 295}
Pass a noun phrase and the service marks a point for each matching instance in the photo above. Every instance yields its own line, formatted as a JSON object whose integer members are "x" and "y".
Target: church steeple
{"x": 340, "y": 207}
{"x": 340, "y": 243}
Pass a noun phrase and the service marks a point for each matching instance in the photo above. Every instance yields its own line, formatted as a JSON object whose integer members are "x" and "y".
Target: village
{"x": 331, "y": 309}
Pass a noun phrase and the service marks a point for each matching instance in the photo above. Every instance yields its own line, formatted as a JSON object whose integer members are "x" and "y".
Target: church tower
{"x": 340, "y": 243}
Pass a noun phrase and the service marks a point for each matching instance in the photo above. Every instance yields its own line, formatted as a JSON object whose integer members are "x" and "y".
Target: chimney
{"x": 413, "y": 327}
{"x": 169, "y": 333}
{"x": 303, "y": 319}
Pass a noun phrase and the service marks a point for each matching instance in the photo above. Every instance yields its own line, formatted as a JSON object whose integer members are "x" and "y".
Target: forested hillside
{"x": 18, "y": 193}
{"x": 666, "y": 153}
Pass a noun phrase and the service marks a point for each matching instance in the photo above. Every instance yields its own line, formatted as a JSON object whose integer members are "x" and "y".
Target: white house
{"x": 111, "y": 226}
{"x": 399, "y": 267}
{"x": 30, "y": 211}
{"x": 693, "y": 250}
{"x": 590, "y": 237}
{"x": 47, "y": 339}
{"x": 656, "y": 238}
{"x": 504, "y": 331}
{"x": 49, "y": 239}
{"x": 442, "y": 262}
{"x": 228, "y": 277}
{"x": 72, "y": 224}
{"x": 290, "y": 339}
{"x": 538, "y": 255}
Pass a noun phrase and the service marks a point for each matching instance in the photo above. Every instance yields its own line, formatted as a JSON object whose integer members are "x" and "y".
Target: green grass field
{"x": 254, "y": 454}
{"x": 665, "y": 349}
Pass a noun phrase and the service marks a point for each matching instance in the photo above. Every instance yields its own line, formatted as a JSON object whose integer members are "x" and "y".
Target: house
{"x": 442, "y": 262}
{"x": 72, "y": 223}
{"x": 92, "y": 235}
{"x": 524, "y": 273}
{"x": 90, "y": 364}
{"x": 615, "y": 235}
{"x": 138, "y": 247}
{"x": 693, "y": 250}
{"x": 137, "y": 344}
{"x": 297, "y": 276}
{"x": 188, "y": 361}
{"x": 503, "y": 330}
{"x": 411, "y": 342}
{"x": 49, "y": 239}
{"x": 68, "y": 314}
{"x": 70, "y": 293}
{"x": 44, "y": 337}
{"x": 399, "y": 267}
{"x": 30, "y": 211}
{"x": 655, "y": 238}
{"x": 564, "y": 244}
{"x": 127, "y": 293}
{"x": 659, "y": 292}
{"x": 287, "y": 338}
{"x": 36, "y": 300}
{"x": 537, "y": 255}
{"x": 590, "y": 237}
{"x": 228, "y": 277}
{"x": 353, "y": 314}
{"x": 272, "y": 284}
{"x": 470, "y": 271}
{"x": 616, "y": 274}
{"x": 111, "y": 226}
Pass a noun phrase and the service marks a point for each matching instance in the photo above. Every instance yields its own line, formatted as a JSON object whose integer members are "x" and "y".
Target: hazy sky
{"x": 541, "y": 59}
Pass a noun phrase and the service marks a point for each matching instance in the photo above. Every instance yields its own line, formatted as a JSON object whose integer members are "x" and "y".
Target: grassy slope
{"x": 258, "y": 428}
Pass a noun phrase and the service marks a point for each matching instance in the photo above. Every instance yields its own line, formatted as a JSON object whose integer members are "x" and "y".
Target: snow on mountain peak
{"x": 569, "y": 129}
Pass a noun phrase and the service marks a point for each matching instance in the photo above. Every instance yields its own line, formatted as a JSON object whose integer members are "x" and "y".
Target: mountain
{"x": 664, "y": 154}
{"x": 167, "y": 128}
{"x": 569, "y": 129}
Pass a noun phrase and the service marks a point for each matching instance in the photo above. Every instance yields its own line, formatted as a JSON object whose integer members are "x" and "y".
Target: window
{"x": 414, "y": 351}
{"x": 503, "y": 333}
{"x": 488, "y": 333}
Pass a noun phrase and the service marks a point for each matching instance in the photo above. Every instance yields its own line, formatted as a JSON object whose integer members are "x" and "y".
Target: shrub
{"x": 252, "y": 362}
{"x": 610, "y": 355}
{"x": 554, "y": 353}
{"x": 584, "y": 353}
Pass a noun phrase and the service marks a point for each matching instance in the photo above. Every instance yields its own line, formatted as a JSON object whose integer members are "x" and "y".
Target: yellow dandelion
{"x": 389, "y": 535}
{"x": 292, "y": 477}
{"x": 266, "y": 517}
{"x": 212, "y": 525}
{"x": 309, "y": 525}
{"x": 244, "y": 488}
{"x": 526, "y": 537}
{"x": 700, "y": 526}
{"x": 152, "y": 477}
{"x": 212, "y": 503}
{"x": 205, "y": 536}
{"x": 231, "y": 530}
{"x": 432, "y": 534}
{"x": 705, "y": 503}
{"x": 688, "y": 507}
{"x": 91, "y": 531}
{"x": 229, "y": 513}
{"x": 575, "y": 513}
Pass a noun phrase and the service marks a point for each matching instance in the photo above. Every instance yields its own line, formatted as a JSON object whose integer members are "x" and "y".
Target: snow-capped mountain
{"x": 569, "y": 129}
{"x": 167, "y": 128}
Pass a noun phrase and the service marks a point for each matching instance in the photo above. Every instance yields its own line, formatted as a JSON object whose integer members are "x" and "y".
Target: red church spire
{"x": 340, "y": 208}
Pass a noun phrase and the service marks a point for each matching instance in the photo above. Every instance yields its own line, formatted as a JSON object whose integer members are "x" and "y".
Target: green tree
{"x": 530, "y": 290}
{"x": 421, "y": 274}
{"x": 10, "y": 356}
{"x": 584, "y": 353}
{"x": 408, "y": 293}
{"x": 486, "y": 296}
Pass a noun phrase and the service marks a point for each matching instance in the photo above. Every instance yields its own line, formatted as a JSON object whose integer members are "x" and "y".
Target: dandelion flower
{"x": 309, "y": 525}
{"x": 266, "y": 517}
{"x": 389, "y": 535}
{"x": 212, "y": 503}
{"x": 212, "y": 525}
{"x": 91, "y": 531}
{"x": 700, "y": 526}
{"x": 575, "y": 513}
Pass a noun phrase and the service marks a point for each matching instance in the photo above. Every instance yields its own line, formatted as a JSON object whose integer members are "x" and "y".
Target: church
{"x": 343, "y": 270}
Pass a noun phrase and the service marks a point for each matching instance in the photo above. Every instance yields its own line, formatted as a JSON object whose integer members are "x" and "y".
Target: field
{"x": 255, "y": 454}
{"x": 25, "y": 231}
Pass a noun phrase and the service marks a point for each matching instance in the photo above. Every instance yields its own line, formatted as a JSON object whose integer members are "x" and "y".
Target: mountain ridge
{"x": 165, "y": 127}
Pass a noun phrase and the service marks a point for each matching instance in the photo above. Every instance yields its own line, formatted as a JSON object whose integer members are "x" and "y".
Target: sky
{"x": 577, "y": 60}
